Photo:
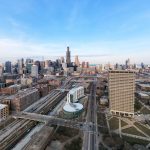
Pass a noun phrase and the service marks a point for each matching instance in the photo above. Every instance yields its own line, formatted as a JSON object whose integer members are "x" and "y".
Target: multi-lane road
{"x": 90, "y": 141}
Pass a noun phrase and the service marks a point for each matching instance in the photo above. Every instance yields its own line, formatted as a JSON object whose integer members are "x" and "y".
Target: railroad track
{"x": 12, "y": 133}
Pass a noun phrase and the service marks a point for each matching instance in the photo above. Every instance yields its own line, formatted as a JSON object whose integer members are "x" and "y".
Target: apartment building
{"x": 121, "y": 92}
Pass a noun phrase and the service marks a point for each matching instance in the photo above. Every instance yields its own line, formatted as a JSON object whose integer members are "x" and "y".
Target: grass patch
{"x": 133, "y": 131}
{"x": 142, "y": 128}
{"x": 74, "y": 145}
{"x": 133, "y": 141}
{"x": 114, "y": 123}
{"x": 123, "y": 123}
{"x": 144, "y": 110}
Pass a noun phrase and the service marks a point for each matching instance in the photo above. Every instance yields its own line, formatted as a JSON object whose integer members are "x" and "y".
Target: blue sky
{"x": 116, "y": 29}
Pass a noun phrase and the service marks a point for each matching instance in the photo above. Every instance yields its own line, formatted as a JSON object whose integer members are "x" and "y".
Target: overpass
{"x": 51, "y": 120}
{"x": 85, "y": 76}
{"x": 81, "y": 81}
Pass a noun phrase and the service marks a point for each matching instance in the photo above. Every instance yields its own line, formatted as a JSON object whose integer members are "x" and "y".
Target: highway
{"x": 90, "y": 141}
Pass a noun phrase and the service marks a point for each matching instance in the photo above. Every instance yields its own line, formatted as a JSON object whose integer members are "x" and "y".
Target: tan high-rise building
{"x": 77, "y": 61}
{"x": 121, "y": 92}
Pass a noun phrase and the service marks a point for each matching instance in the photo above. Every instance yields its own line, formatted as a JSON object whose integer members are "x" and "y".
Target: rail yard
{"x": 17, "y": 129}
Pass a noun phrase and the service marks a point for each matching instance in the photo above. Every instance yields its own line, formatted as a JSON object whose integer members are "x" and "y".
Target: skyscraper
{"x": 1, "y": 70}
{"x": 20, "y": 66}
{"x": 62, "y": 59}
{"x": 121, "y": 92}
{"x": 34, "y": 71}
{"x": 77, "y": 63}
{"x": 128, "y": 63}
{"x": 8, "y": 67}
{"x": 37, "y": 63}
{"x": 68, "y": 59}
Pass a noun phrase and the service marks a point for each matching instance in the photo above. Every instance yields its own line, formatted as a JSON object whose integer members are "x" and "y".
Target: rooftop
{"x": 144, "y": 85}
{"x": 143, "y": 94}
{"x": 73, "y": 107}
{"x": 75, "y": 89}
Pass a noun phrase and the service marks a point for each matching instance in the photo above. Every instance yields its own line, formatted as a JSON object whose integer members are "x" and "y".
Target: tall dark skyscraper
{"x": 8, "y": 67}
{"x": 68, "y": 57}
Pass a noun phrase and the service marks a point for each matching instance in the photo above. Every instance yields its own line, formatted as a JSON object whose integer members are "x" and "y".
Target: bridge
{"x": 81, "y": 81}
{"x": 85, "y": 76}
{"x": 51, "y": 120}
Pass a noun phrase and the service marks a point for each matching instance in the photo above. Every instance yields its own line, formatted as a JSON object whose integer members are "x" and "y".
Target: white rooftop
{"x": 2, "y": 106}
{"x": 73, "y": 107}
{"x": 145, "y": 85}
{"x": 143, "y": 94}
{"x": 75, "y": 89}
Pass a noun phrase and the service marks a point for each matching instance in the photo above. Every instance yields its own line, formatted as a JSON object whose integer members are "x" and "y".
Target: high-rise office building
{"x": 77, "y": 63}
{"x": 68, "y": 57}
{"x": 128, "y": 63}
{"x": 47, "y": 63}
{"x": 20, "y": 66}
{"x": 85, "y": 64}
{"x": 8, "y": 67}
{"x": 34, "y": 71}
{"x": 1, "y": 70}
{"x": 37, "y": 63}
{"x": 121, "y": 92}
{"x": 62, "y": 59}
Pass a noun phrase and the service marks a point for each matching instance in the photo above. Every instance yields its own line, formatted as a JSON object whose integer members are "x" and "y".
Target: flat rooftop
{"x": 75, "y": 89}
{"x": 25, "y": 92}
{"x": 144, "y": 85}
{"x": 143, "y": 94}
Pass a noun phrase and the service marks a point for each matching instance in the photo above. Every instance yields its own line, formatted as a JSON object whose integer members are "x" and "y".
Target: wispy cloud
{"x": 112, "y": 51}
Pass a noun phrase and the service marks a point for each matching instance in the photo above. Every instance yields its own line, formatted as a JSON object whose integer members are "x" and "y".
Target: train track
{"x": 12, "y": 133}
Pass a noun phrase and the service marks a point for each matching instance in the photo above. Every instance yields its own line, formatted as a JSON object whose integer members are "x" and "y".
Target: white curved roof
{"x": 73, "y": 107}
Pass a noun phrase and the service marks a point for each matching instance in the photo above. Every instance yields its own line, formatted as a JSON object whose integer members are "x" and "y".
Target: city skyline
{"x": 117, "y": 30}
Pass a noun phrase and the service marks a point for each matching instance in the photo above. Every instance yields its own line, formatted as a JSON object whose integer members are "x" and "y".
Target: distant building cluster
{"x": 23, "y": 82}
